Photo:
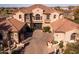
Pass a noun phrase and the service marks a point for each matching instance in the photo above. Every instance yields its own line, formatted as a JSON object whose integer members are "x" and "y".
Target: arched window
{"x": 54, "y": 16}
{"x": 73, "y": 36}
{"x": 38, "y": 17}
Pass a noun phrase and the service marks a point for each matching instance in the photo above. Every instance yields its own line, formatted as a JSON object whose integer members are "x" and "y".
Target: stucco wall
{"x": 52, "y": 16}
{"x": 65, "y": 36}
{"x": 59, "y": 36}
{"x": 15, "y": 37}
{"x": 38, "y": 11}
{"x": 69, "y": 33}
{"x": 16, "y": 16}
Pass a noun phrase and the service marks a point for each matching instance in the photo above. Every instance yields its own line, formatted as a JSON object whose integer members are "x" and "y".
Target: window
{"x": 20, "y": 16}
{"x": 73, "y": 36}
{"x": 38, "y": 17}
{"x": 54, "y": 16}
{"x": 48, "y": 16}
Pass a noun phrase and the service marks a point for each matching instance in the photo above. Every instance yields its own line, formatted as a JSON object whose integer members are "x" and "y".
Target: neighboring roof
{"x": 11, "y": 24}
{"x": 64, "y": 25}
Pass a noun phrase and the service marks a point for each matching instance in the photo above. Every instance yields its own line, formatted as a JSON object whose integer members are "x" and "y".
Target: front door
{"x": 37, "y": 25}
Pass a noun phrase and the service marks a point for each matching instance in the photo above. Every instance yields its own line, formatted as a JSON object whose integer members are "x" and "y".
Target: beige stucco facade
{"x": 16, "y": 16}
{"x": 69, "y": 33}
{"x": 59, "y": 36}
{"x": 15, "y": 37}
{"x": 46, "y": 22}
{"x": 66, "y": 37}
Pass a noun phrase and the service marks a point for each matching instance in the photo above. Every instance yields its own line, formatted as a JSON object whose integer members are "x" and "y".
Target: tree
{"x": 57, "y": 8}
{"x": 76, "y": 13}
{"x": 46, "y": 29}
{"x": 61, "y": 44}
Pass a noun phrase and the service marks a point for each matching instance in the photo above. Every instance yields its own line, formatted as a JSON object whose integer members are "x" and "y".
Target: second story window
{"x": 37, "y": 17}
{"x": 20, "y": 16}
{"x": 54, "y": 16}
{"x": 48, "y": 16}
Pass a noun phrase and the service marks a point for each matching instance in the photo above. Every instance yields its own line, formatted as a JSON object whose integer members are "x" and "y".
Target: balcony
{"x": 37, "y": 21}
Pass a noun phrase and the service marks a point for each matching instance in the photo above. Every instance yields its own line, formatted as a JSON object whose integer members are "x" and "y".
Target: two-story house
{"x": 39, "y": 16}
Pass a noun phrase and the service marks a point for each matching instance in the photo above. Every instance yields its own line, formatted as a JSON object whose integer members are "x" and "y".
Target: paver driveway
{"x": 38, "y": 43}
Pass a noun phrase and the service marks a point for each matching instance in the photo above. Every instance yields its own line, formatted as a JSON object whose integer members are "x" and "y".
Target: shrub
{"x": 46, "y": 29}
{"x": 61, "y": 44}
{"x": 54, "y": 42}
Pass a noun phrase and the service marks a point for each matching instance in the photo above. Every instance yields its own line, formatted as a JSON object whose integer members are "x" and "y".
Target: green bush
{"x": 54, "y": 42}
{"x": 72, "y": 48}
{"x": 61, "y": 44}
{"x": 46, "y": 29}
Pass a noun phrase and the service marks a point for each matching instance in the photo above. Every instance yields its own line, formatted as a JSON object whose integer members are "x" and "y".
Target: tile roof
{"x": 29, "y": 9}
{"x": 13, "y": 24}
{"x": 18, "y": 25}
{"x": 64, "y": 25}
{"x": 46, "y": 9}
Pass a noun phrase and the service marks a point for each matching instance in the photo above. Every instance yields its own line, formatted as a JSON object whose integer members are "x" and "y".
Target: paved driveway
{"x": 38, "y": 43}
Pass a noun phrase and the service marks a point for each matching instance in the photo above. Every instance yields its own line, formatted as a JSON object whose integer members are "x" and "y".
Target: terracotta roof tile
{"x": 29, "y": 9}
{"x": 17, "y": 24}
{"x": 14, "y": 25}
{"x": 64, "y": 25}
{"x": 45, "y": 8}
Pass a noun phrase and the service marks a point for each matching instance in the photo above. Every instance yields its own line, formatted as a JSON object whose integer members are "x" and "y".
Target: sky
{"x": 26, "y": 5}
